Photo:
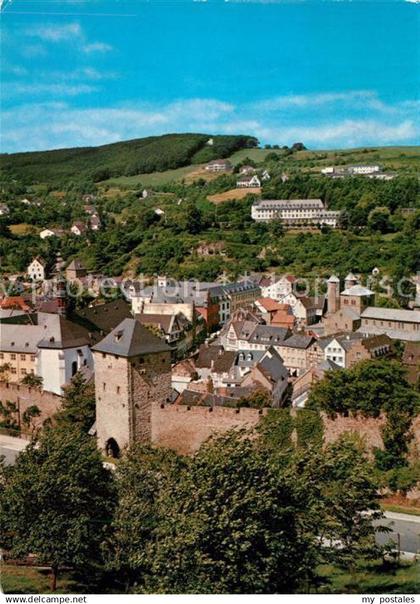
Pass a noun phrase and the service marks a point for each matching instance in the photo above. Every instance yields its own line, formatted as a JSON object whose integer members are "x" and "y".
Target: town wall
{"x": 24, "y": 396}
{"x": 185, "y": 428}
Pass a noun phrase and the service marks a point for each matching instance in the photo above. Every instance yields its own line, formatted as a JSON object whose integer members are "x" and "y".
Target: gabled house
{"x": 37, "y": 269}
{"x": 271, "y": 374}
{"x": 247, "y": 170}
{"x": 51, "y": 232}
{"x": 277, "y": 287}
{"x": 248, "y": 181}
{"x": 75, "y": 270}
{"x": 219, "y": 165}
{"x": 78, "y": 228}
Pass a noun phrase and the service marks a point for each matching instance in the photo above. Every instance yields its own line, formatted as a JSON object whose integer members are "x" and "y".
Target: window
{"x": 103, "y": 386}
{"x": 13, "y": 370}
{"x": 22, "y": 357}
{"x": 74, "y": 368}
{"x": 32, "y": 358}
{"x": 118, "y": 389}
{"x": 13, "y": 356}
{"x": 1, "y": 355}
{"x": 23, "y": 371}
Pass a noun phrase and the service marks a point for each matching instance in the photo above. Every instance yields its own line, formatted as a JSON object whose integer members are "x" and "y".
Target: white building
{"x": 52, "y": 348}
{"x": 78, "y": 228}
{"x": 62, "y": 352}
{"x": 364, "y": 169}
{"x": 248, "y": 181}
{"x": 36, "y": 269}
{"x": 219, "y": 165}
{"x": 277, "y": 288}
{"x": 294, "y": 212}
{"x": 50, "y": 233}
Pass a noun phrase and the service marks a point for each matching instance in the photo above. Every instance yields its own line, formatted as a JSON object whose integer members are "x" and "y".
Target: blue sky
{"x": 89, "y": 72}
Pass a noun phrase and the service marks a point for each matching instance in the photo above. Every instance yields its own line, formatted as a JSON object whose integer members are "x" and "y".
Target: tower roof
{"x": 333, "y": 279}
{"x": 350, "y": 277}
{"x": 357, "y": 290}
{"x": 130, "y": 339}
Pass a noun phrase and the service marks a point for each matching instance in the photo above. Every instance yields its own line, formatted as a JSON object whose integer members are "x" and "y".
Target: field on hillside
{"x": 23, "y": 229}
{"x": 233, "y": 194}
{"x": 393, "y": 158}
{"x": 150, "y": 180}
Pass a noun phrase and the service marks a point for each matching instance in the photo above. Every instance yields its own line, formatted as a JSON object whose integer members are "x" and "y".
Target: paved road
{"x": 10, "y": 447}
{"x": 407, "y": 526}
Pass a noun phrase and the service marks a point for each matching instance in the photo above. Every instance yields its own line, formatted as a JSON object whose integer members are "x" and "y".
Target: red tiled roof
{"x": 269, "y": 304}
{"x": 14, "y": 302}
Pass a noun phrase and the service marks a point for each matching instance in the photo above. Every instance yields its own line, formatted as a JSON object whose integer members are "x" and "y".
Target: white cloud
{"x": 312, "y": 100}
{"x": 52, "y": 125}
{"x": 96, "y": 47}
{"x": 67, "y": 32}
{"x": 12, "y": 89}
{"x": 56, "y": 33}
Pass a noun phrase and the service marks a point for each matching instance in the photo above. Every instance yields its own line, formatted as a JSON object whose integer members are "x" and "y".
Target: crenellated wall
{"x": 184, "y": 428}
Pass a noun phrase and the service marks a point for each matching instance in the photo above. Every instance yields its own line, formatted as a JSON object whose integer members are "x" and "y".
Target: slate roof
{"x": 268, "y": 334}
{"x": 62, "y": 333}
{"x": 130, "y": 339}
{"x": 272, "y": 366}
{"x": 104, "y": 317}
{"x": 391, "y": 314}
{"x": 298, "y": 341}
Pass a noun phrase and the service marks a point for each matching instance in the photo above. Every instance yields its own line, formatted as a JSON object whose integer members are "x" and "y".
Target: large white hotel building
{"x": 294, "y": 212}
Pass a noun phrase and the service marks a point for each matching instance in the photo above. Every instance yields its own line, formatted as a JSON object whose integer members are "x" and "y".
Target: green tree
{"x": 33, "y": 381}
{"x": 78, "y": 408}
{"x": 339, "y": 499}
{"x": 229, "y": 525}
{"x": 140, "y": 478}
{"x": 57, "y": 502}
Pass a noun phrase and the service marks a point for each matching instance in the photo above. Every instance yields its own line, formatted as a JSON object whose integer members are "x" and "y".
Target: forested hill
{"x": 142, "y": 155}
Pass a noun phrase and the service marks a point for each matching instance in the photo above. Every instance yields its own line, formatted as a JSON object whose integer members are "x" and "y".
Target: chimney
{"x": 333, "y": 294}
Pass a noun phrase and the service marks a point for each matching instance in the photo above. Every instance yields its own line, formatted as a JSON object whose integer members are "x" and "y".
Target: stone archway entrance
{"x": 112, "y": 449}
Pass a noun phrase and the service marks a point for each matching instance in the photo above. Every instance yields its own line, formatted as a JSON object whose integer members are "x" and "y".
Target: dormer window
{"x": 118, "y": 336}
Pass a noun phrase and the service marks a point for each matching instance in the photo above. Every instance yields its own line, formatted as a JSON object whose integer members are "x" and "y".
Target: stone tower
{"x": 132, "y": 373}
{"x": 349, "y": 281}
{"x": 333, "y": 294}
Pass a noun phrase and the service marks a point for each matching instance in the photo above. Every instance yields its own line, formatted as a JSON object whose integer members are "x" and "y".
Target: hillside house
{"x": 248, "y": 181}
{"x": 37, "y": 269}
{"x": 78, "y": 229}
{"x": 51, "y": 232}
{"x": 4, "y": 209}
{"x": 219, "y": 165}
{"x": 247, "y": 170}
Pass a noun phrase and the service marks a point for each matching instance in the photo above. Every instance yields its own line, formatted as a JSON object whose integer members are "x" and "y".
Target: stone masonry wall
{"x": 150, "y": 384}
{"x": 47, "y": 402}
{"x": 184, "y": 428}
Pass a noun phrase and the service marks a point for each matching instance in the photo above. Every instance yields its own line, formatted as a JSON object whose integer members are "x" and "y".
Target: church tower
{"x": 333, "y": 294}
{"x": 132, "y": 373}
